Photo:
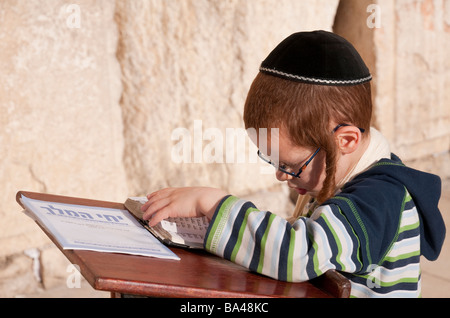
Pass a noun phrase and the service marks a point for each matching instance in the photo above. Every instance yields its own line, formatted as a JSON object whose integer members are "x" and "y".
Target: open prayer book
{"x": 183, "y": 232}
{"x": 95, "y": 228}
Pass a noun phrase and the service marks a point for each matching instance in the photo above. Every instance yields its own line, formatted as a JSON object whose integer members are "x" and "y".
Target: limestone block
{"x": 437, "y": 163}
{"x": 56, "y": 268}
{"x": 16, "y": 276}
{"x": 184, "y": 61}
{"x": 413, "y": 93}
{"x": 425, "y": 72}
{"x": 59, "y": 107}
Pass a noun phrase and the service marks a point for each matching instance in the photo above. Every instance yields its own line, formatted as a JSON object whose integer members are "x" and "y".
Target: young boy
{"x": 360, "y": 210}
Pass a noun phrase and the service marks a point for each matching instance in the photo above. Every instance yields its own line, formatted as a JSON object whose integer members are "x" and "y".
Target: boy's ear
{"x": 348, "y": 139}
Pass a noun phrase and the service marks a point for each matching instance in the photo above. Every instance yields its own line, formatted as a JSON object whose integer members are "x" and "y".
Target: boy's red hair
{"x": 306, "y": 112}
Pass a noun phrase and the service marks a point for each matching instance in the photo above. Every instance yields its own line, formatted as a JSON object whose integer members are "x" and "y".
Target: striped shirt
{"x": 268, "y": 244}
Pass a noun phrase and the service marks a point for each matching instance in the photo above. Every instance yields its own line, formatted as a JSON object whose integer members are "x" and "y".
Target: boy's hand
{"x": 181, "y": 202}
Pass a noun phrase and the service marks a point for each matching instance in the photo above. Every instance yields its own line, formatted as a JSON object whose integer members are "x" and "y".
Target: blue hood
{"x": 372, "y": 201}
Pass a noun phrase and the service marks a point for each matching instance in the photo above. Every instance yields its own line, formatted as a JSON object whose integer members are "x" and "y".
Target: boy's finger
{"x": 154, "y": 207}
{"x": 158, "y": 217}
{"x": 151, "y": 199}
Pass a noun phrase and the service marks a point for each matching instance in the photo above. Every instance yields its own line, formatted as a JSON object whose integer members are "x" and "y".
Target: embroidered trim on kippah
{"x": 317, "y": 80}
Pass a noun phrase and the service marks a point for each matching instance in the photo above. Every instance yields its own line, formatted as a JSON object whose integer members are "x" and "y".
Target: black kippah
{"x": 317, "y": 57}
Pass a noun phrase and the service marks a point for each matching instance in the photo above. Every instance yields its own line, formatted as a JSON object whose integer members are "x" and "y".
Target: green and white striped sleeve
{"x": 268, "y": 244}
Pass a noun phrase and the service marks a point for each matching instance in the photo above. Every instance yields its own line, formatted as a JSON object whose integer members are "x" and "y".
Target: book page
{"x": 95, "y": 228}
{"x": 183, "y": 231}
{"x": 187, "y": 230}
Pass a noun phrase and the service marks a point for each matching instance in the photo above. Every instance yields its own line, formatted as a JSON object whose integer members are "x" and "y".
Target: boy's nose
{"x": 281, "y": 176}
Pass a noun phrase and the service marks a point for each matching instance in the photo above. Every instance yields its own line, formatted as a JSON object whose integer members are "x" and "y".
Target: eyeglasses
{"x": 288, "y": 170}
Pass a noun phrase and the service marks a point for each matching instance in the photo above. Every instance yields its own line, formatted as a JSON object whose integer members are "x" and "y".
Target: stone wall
{"x": 408, "y": 56}
{"x": 92, "y": 91}
{"x": 413, "y": 70}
